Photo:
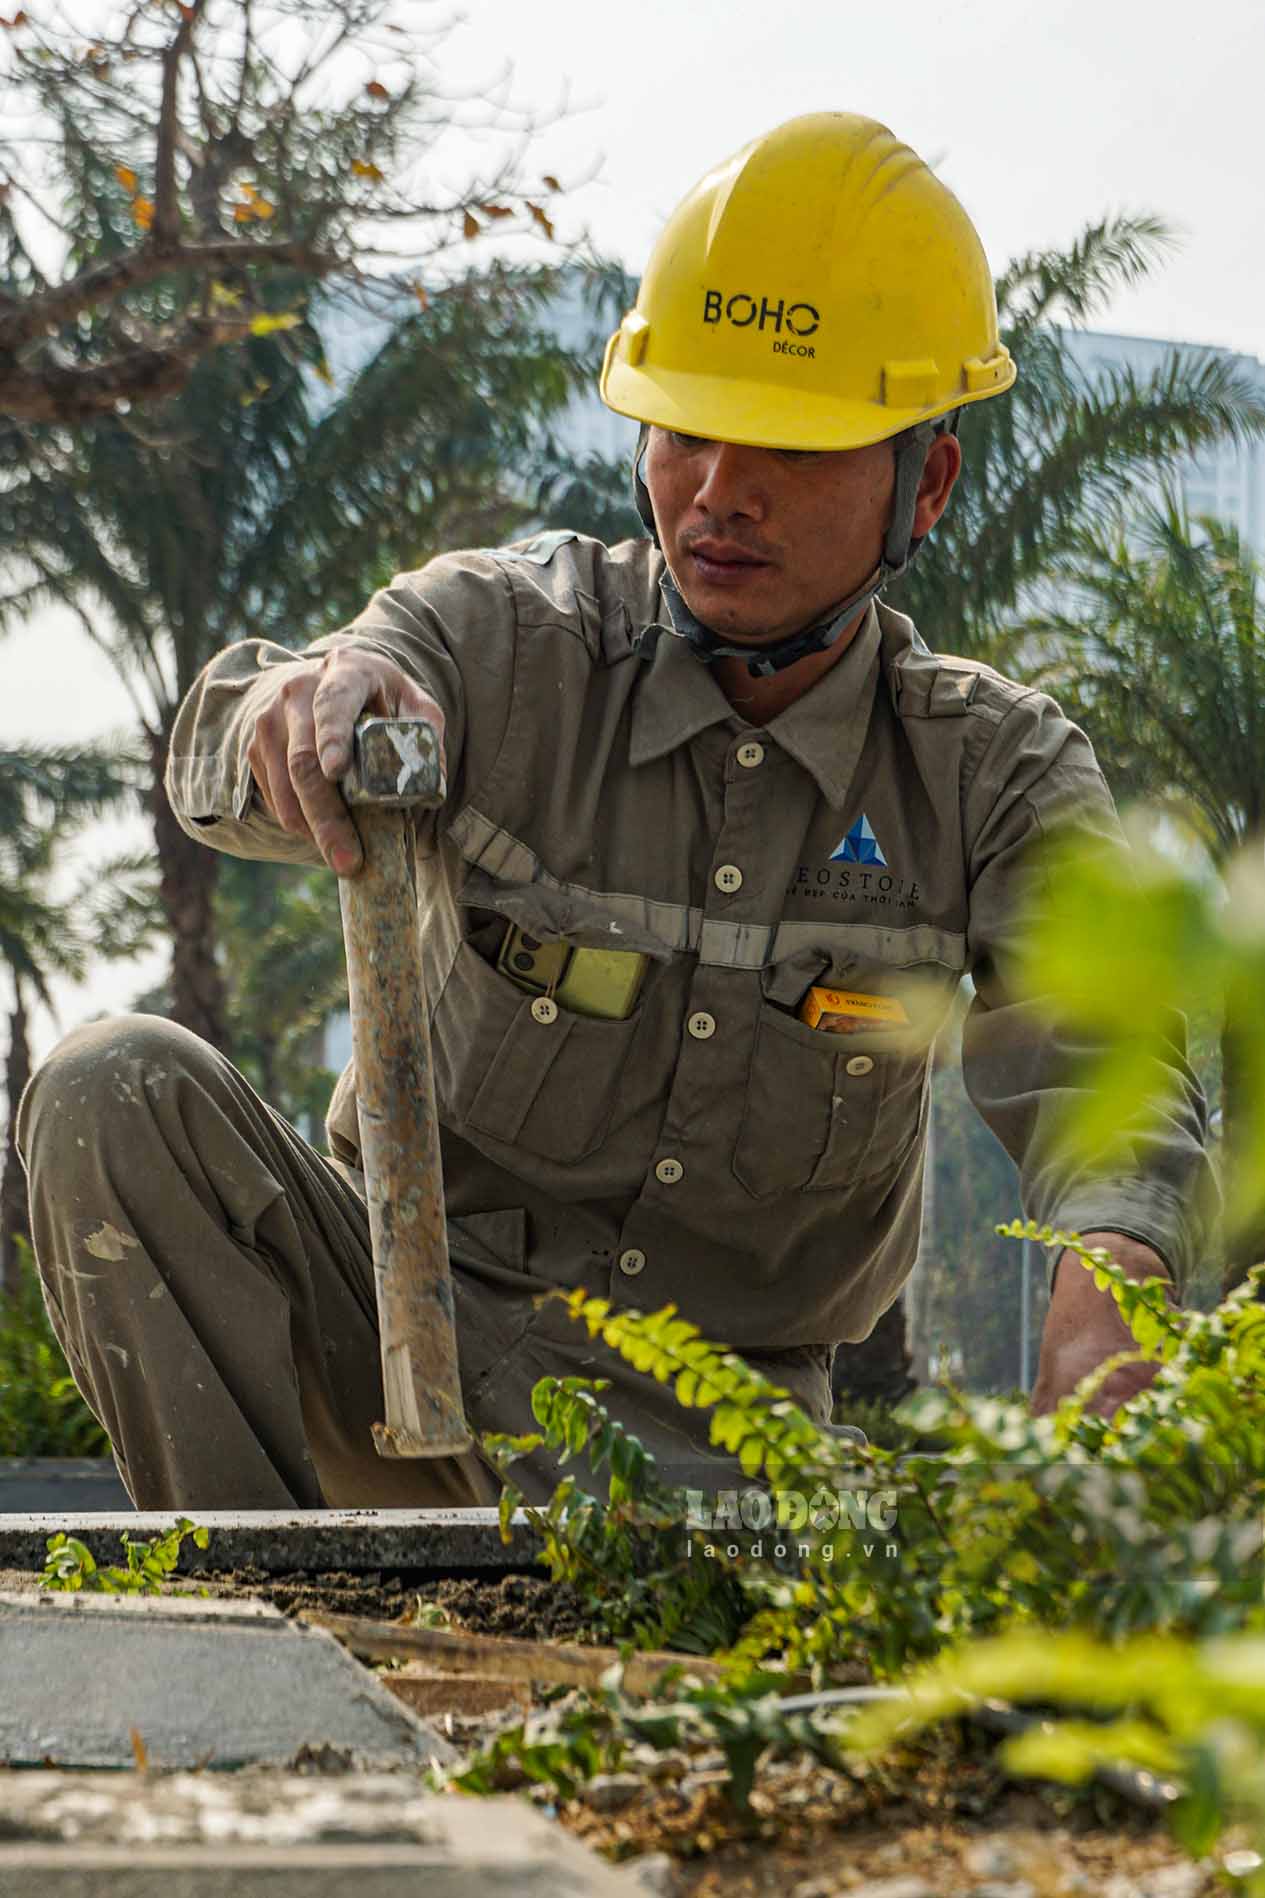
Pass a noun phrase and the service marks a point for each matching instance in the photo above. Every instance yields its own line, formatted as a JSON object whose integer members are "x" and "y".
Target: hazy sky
{"x": 1040, "y": 116}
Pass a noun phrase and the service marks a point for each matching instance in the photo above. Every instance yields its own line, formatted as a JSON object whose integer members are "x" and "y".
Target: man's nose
{"x": 731, "y": 481}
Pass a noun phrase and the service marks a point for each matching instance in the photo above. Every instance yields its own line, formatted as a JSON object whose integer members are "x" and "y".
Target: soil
{"x": 946, "y": 1815}
{"x": 525, "y": 1606}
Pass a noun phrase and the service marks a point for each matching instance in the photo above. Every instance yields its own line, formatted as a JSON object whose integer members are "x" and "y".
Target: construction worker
{"x": 712, "y": 750}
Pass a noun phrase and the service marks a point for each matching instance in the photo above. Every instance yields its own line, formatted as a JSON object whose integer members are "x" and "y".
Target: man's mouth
{"x": 726, "y": 564}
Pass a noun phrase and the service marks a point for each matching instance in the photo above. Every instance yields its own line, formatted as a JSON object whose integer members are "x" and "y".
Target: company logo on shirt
{"x": 856, "y": 872}
{"x": 859, "y": 845}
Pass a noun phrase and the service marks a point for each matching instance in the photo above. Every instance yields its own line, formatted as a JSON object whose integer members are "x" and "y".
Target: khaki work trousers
{"x": 210, "y": 1279}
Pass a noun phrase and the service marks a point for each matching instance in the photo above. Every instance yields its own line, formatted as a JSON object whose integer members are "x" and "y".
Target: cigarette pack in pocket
{"x": 844, "y": 1012}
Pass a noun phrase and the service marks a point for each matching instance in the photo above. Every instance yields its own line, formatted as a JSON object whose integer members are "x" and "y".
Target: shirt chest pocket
{"x": 518, "y": 1070}
{"x": 824, "y": 1111}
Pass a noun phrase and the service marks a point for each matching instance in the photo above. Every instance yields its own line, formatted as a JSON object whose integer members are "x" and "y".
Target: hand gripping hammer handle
{"x": 395, "y": 769}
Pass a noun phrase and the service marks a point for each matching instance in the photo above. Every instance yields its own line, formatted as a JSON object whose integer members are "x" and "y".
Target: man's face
{"x": 762, "y": 542}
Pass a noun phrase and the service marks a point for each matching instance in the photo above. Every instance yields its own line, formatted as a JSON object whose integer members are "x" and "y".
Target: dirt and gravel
{"x": 946, "y": 1825}
{"x": 526, "y": 1606}
{"x": 944, "y": 1822}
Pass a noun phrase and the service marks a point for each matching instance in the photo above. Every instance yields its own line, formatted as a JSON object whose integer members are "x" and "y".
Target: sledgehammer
{"x": 396, "y": 769}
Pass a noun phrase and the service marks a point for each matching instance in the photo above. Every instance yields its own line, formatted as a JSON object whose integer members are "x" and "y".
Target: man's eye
{"x": 801, "y": 454}
{"x": 687, "y": 443}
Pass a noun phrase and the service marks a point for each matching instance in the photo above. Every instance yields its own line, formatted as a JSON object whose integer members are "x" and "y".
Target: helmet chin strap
{"x": 899, "y": 548}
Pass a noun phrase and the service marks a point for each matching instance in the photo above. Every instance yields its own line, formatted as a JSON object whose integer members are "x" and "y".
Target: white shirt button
{"x": 544, "y": 1009}
{"x": 702, "y": 1025}
{"x": 632, "y": 1261}
{"x": 668, "y": 1172}
{"x": 750, "y": 754}
{"x": 728, "y": 878}
{"x": 860, "y": 1064}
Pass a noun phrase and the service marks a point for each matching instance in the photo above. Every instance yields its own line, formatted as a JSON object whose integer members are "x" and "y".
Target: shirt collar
{"x": 823, "y": 731}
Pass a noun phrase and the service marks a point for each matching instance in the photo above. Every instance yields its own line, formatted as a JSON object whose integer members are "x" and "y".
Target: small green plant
{"x": 70, "y": 1565}
{"x": 563, "y": 1747}
{"x": 430, "y": 1614}
{"x": 626, "y": 1554}
{"x": 41, "y": 1411}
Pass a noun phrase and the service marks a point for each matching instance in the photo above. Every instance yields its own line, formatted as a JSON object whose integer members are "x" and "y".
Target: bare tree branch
{"x": 49, "y": 391}
{"x": 102, "y": 283}
{"x": 165, "y": 233}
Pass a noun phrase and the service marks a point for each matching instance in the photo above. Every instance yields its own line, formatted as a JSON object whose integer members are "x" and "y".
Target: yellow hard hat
{"x": 821, "y": 289}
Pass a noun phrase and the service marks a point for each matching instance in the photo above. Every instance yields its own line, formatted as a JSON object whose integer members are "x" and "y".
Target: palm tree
{"x": 44, "y": 794}
{"x": 1060, "y": 450}
{"x": 254, "y": 504}
{"x": 1159, "y": 651}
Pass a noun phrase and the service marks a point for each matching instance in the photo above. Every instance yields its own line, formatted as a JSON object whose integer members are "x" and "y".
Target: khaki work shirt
{"x": 711, "y": 1149}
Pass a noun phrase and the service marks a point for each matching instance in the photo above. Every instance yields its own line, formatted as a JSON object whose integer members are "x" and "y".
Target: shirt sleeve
{"x": 451, "y": 627}
{"x": 1037, "y": 773}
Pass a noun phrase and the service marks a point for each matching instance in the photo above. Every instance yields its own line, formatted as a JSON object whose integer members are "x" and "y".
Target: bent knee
{"x": 101, "y": 1069}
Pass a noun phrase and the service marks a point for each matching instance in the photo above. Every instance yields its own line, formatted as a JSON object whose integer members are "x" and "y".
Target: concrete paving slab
{"x": 203, "y": 1683}
{"x": 269, "y": 1835}
{"x": 316, "y": 1541}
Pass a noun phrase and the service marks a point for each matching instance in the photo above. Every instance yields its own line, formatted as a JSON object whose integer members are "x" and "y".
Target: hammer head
{"x": 395, "y": 763}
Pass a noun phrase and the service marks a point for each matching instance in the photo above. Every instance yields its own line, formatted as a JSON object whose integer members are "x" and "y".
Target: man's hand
{"x": 301, "y": 744}
{"x": 1084, "y": 1327}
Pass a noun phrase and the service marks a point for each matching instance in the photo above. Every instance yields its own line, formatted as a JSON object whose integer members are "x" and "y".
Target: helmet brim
{"x": 721, "y": 408}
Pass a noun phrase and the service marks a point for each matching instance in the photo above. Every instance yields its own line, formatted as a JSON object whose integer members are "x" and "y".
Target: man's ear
{"x": 939, "y": 472}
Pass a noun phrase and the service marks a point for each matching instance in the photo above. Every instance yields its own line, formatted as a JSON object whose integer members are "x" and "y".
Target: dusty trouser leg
{"x": 210, "y": 1279}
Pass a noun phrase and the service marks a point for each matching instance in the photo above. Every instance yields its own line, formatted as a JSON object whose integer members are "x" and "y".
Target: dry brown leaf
{"x": 262, "y": 208}
{"x": 497, "y": 210}
{"x": 542, "y": 218}
{"x": 470, "y": 225}
{"x": 377, "y": 90}
{"x": 126, "y": 177}
{"x": 363, "y": 169}
{"x": 419, "y": 292}
{"x": 143, "y": 212}
{"x": 551, "y": 183}
{"x": 243, "y": 213}
{"x": 140, "y": 1752}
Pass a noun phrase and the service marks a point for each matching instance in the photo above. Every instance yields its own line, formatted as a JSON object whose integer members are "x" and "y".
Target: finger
{"x": 265, "y": 755}
{"x": 324, "y": 811}
{"x": 345, "y": 686}
{"x": 324, "y": 814}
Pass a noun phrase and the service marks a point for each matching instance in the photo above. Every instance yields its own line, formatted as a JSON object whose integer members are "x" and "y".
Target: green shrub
{"x": 41, "y": 1411}
{"x": 1145, "y": 1523}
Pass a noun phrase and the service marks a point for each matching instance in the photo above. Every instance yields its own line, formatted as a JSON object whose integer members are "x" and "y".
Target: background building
{"x": 1228, "y": 480}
